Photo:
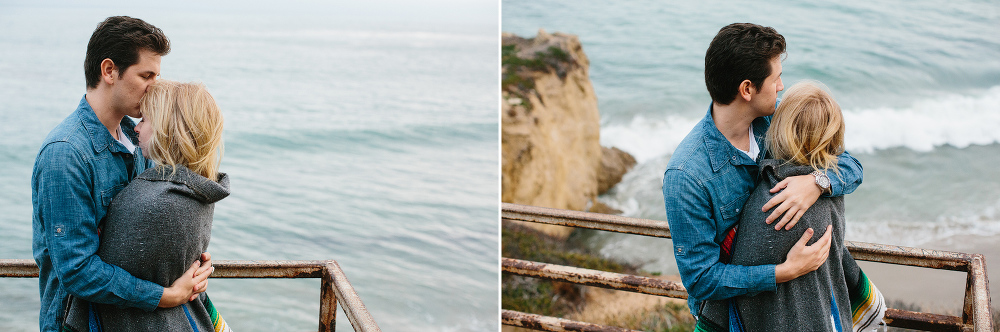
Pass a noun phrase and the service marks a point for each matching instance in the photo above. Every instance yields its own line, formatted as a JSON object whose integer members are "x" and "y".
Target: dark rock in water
{"x": 614, "y": 164}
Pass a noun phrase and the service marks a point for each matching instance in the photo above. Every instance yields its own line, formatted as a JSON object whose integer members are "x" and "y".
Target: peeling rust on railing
{"x": 334, "y": 285}
{"x": 935, "y": 259}
{"x": 18, "y": 268}
{"x": 922, "y": 321}
{"x": 356, "y": 312}
{"x": 625, "y": 282}
{"x": 590, "y": 220}
{"x": 978, "y": 293}
{"x": 546, "y": 323}
{"x": 269, "y": 269}
{"x": 976, "y": 310}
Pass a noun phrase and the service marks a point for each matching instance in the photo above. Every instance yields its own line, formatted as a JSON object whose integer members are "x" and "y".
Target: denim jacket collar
{"x": 720, "y": 151}
{"x": 99, "y": 135}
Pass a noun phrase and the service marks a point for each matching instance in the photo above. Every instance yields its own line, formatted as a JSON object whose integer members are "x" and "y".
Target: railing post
{"x": 361, "y": 320}
{"x": 977, "y": 298}
{"x": 334, "y": 286}
{"x": 327, "y": 302}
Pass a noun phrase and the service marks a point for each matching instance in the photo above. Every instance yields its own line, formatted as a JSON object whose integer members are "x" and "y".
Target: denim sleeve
{"x": 66, "y": 208}
{"x": 849, "y": 178}
{"x": 689, "y": 213}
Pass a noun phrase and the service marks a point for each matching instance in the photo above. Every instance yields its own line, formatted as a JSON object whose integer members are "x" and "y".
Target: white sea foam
{"x": 956, "y": 120}
{"x": 646, "y": 139}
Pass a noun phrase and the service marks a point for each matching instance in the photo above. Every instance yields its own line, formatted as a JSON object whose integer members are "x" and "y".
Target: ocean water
{"x": 918, "y": 82}
{"x": 364, "y": 133}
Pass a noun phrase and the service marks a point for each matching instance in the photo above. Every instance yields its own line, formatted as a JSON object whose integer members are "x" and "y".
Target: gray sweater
{"x": 802, "y": 304}
{"x": 156, "y": 227}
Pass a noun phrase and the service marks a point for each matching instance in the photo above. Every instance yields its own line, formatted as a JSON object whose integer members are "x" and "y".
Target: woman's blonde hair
{"x": 807, "y": 128}
{"x": 186, "y": 126}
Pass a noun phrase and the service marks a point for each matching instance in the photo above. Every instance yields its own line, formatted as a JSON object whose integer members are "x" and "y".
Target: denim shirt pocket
{"x": 730, "y": 195}
{"x": 731, "y": 210}
{"x": 109, "y": 194}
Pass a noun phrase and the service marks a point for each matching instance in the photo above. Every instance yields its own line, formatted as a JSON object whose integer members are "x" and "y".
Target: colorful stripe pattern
{"x": 867, "y": 306}
{"x": 726, "y": 252}
{"x": 217, "y": 321}
{"x": 705, "y": 326}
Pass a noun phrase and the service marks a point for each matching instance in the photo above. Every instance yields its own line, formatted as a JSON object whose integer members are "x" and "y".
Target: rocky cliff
{"x": 552, "y": 155}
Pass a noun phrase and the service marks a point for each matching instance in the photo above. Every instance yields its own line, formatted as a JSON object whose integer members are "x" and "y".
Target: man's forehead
{"x": 149, "y": 61}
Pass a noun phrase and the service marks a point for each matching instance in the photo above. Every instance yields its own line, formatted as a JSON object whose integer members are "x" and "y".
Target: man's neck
{"x": 733, "y": 121}
{"x": 99, "y": 100}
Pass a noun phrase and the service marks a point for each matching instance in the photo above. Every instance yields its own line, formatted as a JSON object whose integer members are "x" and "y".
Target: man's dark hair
{"x": 120, "y": 38}
{"x": 740, "y": 51}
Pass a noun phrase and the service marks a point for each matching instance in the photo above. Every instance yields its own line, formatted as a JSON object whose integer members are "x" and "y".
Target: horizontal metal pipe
{"x": 610, "y": 280}
{"x": 605, "y": 222}
{"x": 358, "y": 315}
{"x": 862, "y": 251}
{"x": 638, "y": 284}
{"x": 18, "y": 268}
{"x": 935, "y": 259}
{"x": 26, "y": 268}
{"x": 977, "y": 306}
{"x": 922, "y": 321}
{"x": 268, "y": 269}
{"x": 547, "y": 323}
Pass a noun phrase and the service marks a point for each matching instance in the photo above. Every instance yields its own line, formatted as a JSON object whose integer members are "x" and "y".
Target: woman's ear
{"x": 746, "y": 90}
{"x": 109, "y": 71}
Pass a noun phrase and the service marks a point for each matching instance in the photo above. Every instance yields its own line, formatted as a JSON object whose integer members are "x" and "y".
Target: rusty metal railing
{"x": 334, "y": 287}
{"x": 976, "y": 314}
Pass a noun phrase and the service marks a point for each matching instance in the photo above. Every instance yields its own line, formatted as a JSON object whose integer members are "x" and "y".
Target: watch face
{"x": 822, "y": 180}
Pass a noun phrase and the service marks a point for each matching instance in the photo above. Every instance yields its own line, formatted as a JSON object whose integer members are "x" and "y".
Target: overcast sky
{"x": 483, "y": 13}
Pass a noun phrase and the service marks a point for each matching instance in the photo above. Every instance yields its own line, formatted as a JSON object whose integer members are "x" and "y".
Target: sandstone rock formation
{"x": 550, "y": 137}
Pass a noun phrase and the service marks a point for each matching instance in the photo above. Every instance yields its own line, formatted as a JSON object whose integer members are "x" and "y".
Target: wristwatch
{"x": 821, "y": 180}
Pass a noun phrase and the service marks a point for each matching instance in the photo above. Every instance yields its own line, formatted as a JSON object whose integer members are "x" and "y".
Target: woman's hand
{"x": 206, "y": 269}
{"x": 803, "y": 259}
{"x": 185, "y": 288}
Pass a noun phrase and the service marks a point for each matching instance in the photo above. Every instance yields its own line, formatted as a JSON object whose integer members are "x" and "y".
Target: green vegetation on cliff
{"x": 513, "y": 79}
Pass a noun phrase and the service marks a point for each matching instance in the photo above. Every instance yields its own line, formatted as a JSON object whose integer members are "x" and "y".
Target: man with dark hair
{"x": 82, "y": 165}
{"x": 714, "y": 169}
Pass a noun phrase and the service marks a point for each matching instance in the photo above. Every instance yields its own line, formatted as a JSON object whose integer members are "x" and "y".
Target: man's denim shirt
{"x": 79, "y": 169}
{"x": 706, "y": 183}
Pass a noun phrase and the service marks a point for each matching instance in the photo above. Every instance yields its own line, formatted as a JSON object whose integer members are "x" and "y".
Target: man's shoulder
{"x": 68, "y": 137}
{"x": 70, "y": 130}
{"x": 691, "y": 155}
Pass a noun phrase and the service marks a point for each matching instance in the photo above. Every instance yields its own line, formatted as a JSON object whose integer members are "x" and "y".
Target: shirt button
{"x": 58, "y": 230}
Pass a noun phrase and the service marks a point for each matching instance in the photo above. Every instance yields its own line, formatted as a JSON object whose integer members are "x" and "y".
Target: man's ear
{"x": 109, "y": 71}
{"x": 746, "y": 90}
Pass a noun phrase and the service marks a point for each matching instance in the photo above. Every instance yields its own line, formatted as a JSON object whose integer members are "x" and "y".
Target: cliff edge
{"x": 550, "y": 134}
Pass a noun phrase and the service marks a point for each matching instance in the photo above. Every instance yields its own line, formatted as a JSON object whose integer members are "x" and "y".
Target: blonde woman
{"x": 806, "y": 135}
{"x": 161, "y": 222}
